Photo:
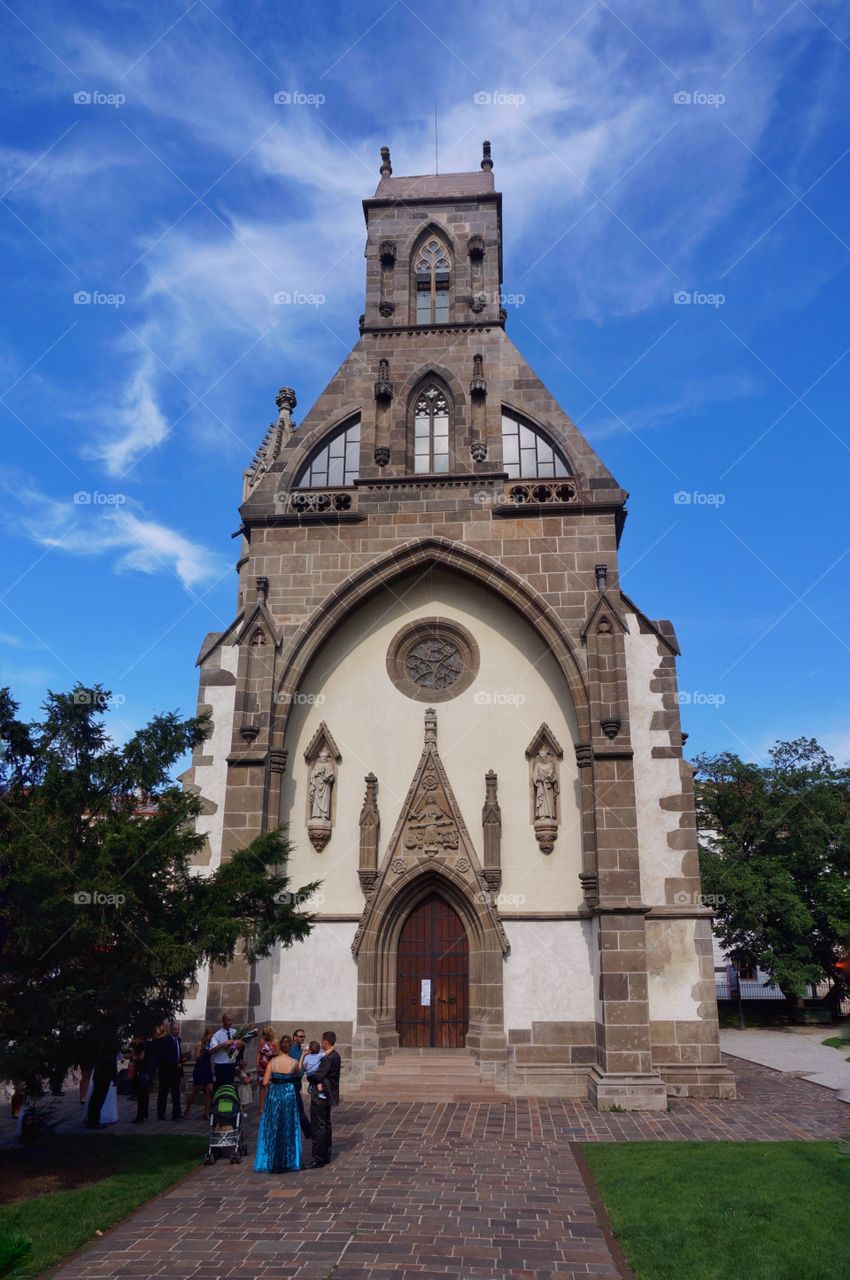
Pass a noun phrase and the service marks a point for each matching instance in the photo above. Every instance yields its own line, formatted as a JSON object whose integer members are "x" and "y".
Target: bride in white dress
{"x": 109, "y": 1110}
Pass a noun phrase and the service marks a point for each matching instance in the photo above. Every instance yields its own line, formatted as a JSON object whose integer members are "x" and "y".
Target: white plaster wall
{"x": 377, "y": 728}
{"x": 672, "y": 968}
{"x": 212, "y": 778}
{"x": 196, "y": 1006}
{"x": 548, "y": 974}
{"x": 315, "y": 980}
{"x": 653, "y": 778}
{"x": 212, "y": 781}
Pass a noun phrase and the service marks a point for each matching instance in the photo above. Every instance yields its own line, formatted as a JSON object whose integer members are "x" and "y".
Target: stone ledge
{"x": 628, "y": 1091}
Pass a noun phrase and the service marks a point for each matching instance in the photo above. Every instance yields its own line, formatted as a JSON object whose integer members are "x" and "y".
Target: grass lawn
{"x": 837, "y": 1042}
{"x": 727, "y": 1210}
{"x": 758, "y": 1014}
{"x": 101, "y": 1179}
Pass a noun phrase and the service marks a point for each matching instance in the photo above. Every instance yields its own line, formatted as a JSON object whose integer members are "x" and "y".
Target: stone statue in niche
{"x": 322, "y": 757}
{"x": 544, "y": 775}
{"x": 544, "y": 754}
{"x": 321, "y": 785}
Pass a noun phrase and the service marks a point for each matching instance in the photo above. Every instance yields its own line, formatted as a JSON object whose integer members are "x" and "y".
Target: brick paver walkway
{"x": 431, "y": 1190}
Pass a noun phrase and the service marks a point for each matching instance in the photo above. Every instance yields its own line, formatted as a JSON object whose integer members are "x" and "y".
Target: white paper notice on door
{"x": 425, "y": 993}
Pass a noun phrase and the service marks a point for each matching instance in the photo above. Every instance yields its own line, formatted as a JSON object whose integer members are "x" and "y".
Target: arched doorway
{"x": 432, "y": 984}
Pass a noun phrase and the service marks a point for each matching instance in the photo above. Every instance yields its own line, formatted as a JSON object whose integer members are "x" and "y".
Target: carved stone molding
{"x": 431, "y": 834}
{"x": 491, "y": 822}
{"x": 278, "y": 759}
{"x": 387, "y": 252}
{"x": 382, "y": 456}
{"x": 370, "y": 829}
{"x": 386, "y": 308}
{"x": 478, "y": 385}
{"x": 432, "y": 660}
{"x": 383, "y": 385}
{"x": 476, "y": 245}
{"x": 584, "y": 755}
{"x": 478, "y": 451}
{"x": 611, "y": 726}
{"x": 478, "y": 302}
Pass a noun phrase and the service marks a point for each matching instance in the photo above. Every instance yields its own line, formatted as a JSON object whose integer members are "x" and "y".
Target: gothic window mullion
{"x": 431, "y": 432}
{"x": 432, "y": 273}
{"x": 527, "y": 453}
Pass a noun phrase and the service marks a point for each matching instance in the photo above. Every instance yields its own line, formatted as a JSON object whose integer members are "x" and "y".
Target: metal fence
{"x": 750, "y": 990}
{"x": 754, "y": 990}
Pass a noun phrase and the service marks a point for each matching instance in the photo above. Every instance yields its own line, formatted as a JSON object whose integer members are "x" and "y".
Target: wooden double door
{"x": 432, "y": 988}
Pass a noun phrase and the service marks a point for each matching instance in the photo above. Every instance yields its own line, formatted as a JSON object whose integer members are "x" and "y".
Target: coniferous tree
{"x": 105, "y": 919}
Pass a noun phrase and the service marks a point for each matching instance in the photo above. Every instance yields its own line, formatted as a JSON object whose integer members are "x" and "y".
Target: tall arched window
{"x": 432, "y": 269}
{"x": 336, "y": 464}
{"x": 431, "y": 431}
{"x": 527, "y": 453}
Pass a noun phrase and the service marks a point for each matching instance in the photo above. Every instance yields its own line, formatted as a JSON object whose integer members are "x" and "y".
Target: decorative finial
{"x": 286, "y": 401}
{"x": 430, "y": 726}
{"x": 487, "y": 159}
{"x": 386, "y": 167}
{"x": 602, "y": 577}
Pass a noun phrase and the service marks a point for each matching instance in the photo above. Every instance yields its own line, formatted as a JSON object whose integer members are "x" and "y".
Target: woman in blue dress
{"x": 279, "y": 1138}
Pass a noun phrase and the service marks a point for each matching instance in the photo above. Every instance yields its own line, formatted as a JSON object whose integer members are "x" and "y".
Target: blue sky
{"x": 647, "y": 152}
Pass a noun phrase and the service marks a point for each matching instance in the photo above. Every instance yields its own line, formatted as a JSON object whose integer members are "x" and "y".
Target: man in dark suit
{"x": 169, "y": 1051}
{"x": 324, "y": 1095}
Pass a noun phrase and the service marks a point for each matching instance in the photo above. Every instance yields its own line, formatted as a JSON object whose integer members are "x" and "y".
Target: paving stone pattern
{"x": 435, "y": 1189}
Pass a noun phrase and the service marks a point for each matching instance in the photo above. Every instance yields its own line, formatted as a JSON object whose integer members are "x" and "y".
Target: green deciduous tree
{"x": 104, "y": 918}
{"x": 775, "y": 853}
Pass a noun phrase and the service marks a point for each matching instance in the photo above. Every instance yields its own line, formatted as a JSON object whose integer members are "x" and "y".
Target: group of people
{"x": 283, "y": 1065}
{"x": 159, "y": 1057}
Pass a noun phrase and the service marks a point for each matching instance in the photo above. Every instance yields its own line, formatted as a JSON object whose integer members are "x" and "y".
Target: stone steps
{"x": 427, "y": 1075}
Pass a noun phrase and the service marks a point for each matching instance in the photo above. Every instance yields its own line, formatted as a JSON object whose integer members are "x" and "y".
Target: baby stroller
{"x": 226, "y": 1127}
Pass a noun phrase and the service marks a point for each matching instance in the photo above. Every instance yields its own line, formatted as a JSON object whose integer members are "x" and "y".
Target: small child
{"x": 312, "y": 1057}
{"x": 246, "y": 1087}
{"x": 310, "y": 1061}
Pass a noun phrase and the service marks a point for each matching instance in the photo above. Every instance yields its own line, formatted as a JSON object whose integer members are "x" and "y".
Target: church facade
{"x": 435, "y": 679}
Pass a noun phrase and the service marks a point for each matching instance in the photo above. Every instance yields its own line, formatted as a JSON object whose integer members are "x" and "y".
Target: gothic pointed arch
{"x": 431, "y": 427}
{"x": 378, "y": 949}
{"x": 432, "y": 276}
{"x": 419, "y": 554}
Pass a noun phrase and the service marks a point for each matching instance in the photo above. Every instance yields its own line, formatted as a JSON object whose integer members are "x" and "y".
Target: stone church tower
{"x": 435, "y": 679}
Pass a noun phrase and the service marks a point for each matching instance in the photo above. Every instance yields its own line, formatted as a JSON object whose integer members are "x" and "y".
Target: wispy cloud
{"x": 695, "y": 396}
{"x": 136, "y": 425}
{"x": 92, "y": 524}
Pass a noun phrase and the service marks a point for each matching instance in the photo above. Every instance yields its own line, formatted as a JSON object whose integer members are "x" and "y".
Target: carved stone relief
{"x": 431, "y": 832}
{"x": 432, "y": 660}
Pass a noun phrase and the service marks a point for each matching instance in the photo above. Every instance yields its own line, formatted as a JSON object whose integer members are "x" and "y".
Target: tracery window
{"x": 432, "y": 270}
{"x": 431, "y": 431}
{"x": 335, "y": 464}
{"x": 527, "y": 453}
